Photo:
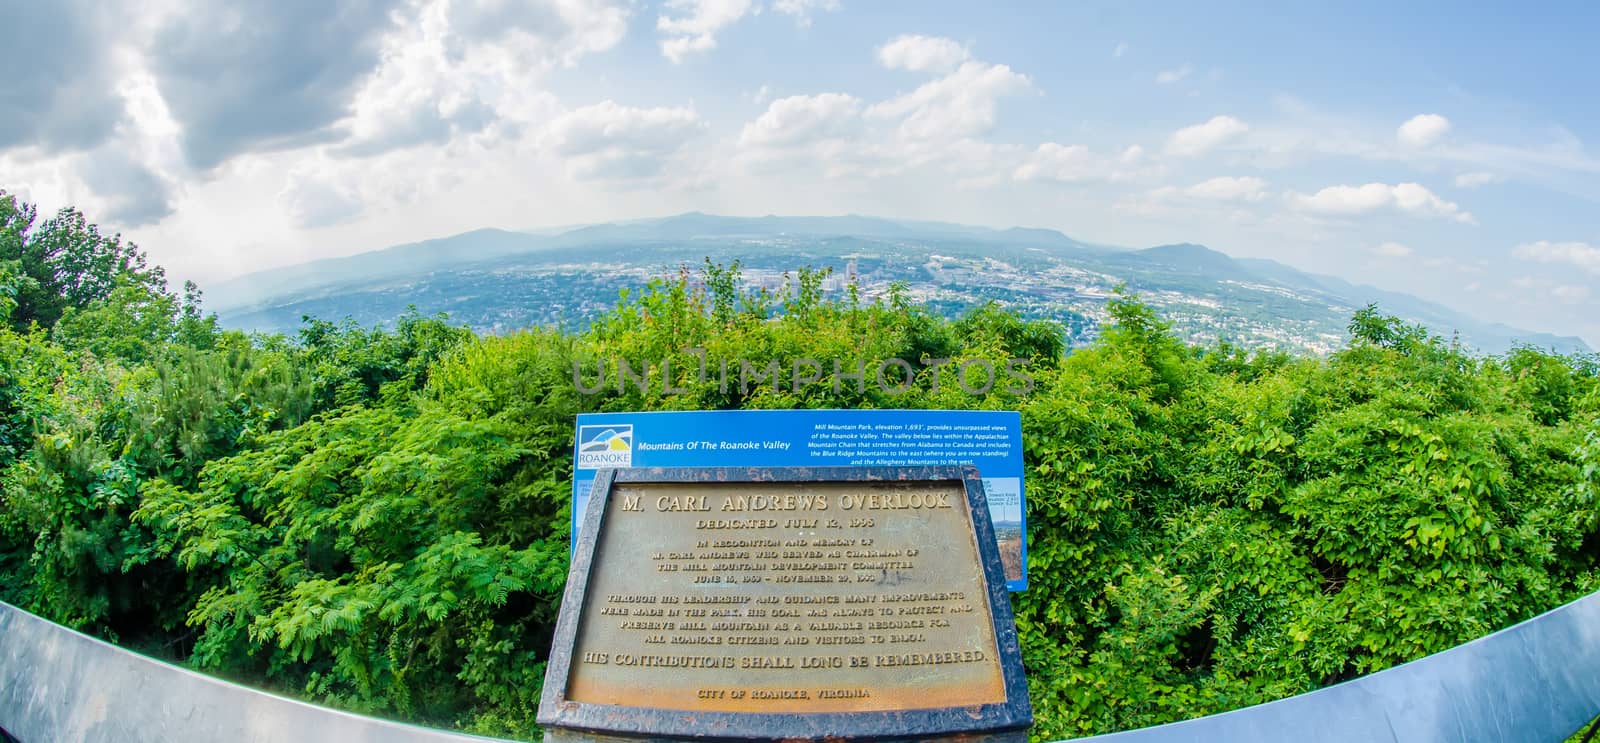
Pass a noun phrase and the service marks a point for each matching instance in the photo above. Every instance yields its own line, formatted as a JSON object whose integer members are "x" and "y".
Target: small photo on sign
{"x": 605, "y": 446}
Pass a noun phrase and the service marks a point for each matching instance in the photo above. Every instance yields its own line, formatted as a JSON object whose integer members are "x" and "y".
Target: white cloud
{"x": 802, "y": 10}
{"x": 460, "y": 68}
{"x": 1548, "y": 156}
{"x": 1474, "y": 180}
{"x": 939, "y": 123}
{"x": 1422, "y": 130}
{"x": 130, "y": 175}
{"x": 1122, "y": 48}
{"x": 973, "y": 160}
{"x": 1410, "y": 198}
{"x": 1202, "y": 138}
{"x": 1547, "y": 289}
{"x": 1228, "y": 188}
{"x": 922, "y": 54}
{"x": 1570, "y": 293}
{"x": 802, "y": 120}
{"x": 429, "y": 74}
{"x": 1076, "y": 163}
{"x": 696, "y": 29}
{"x": 1167, "y": 77}
{"x": 1052, "y": 161}
{"x": 1223, "y": 197}
{"x": 608, "y": 141}
{"x": 1578, "y": 254}
{"x": 961, "y": 104}
{"x": 1391, "y": 250}
{"x": 313, "y": 197}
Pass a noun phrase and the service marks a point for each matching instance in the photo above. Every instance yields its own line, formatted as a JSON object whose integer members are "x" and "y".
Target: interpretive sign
{"x": 989, "y": 439}
{"x": 786, "y": 603}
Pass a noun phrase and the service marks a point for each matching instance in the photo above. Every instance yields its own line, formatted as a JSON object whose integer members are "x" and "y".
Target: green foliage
{"x": 1219, "y": 531}
{"x": 378, "y": 519}
{"x": 137, "y": 324}
{"x": 12, "y": 283}
{"x": 67, "y": 261}
{"x": 353, "y": 365}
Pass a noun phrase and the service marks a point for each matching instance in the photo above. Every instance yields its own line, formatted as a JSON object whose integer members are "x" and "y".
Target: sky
{"x": 1441, "y": 149}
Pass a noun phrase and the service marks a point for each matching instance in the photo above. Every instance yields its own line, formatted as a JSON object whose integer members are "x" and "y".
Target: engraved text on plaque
{"x": 788, "y": 596}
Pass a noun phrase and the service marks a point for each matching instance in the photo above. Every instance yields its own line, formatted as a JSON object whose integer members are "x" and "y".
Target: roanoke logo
{"x": 605, "y": 446}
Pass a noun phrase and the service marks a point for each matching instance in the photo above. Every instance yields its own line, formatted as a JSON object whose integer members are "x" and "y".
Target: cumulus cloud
{"x": 1167, "y": 77}
{"x": 694, "y": 25}
{"x": 1578, "y": 254}
{"x": 1422, "y": 130}
{"x": 128, "y": 177}
{"x": 59, "y": 91}
{"x": 1475, "y": 180}
{"x": 1076, "y": 163}
{"x": 1570, "y": 293}
{"x": 939, "y": 124}
{"x": 180, "y": 89}
{"x": 1409, "y": 198}
{"x": 459, "y": 67}
{"x": 958, "y": 105}
{"x": 1058, "y": 162}
{"x": 1546, "y": 289}
{"x": 922, "y": 54}
{"x": 802, "y": 10}
{"x": 264, "y": 74}
{"x": 133, "y": 193}
{"x": 1199, "y": 139}
{"x": 1233, "y": 192}
{"x": 1227, "y": 188}
{"x": 1391, "y": 250}
{"x": 313, "y": 197}
{"x": 803, "y": 120}
{"x": 975, "y": 162}
{"x": 608, "y": 141}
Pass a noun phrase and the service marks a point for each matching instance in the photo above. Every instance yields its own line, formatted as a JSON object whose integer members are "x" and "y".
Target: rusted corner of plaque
{"x": 794, "y": 603}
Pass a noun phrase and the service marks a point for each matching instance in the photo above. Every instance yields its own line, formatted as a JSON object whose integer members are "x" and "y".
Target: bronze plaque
{"x": 787, "y": 597}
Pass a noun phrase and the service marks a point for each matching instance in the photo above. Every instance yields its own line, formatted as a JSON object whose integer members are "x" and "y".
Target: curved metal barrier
{"x": 57, "y": 685}
{"x": 1536, "y": 681}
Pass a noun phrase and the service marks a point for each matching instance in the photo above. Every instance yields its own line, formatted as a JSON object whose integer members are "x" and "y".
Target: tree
{"x": 66, "y": 262}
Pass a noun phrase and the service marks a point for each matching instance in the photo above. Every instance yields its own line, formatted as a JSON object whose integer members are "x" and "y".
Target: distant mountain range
{"x": 498, "y": 280}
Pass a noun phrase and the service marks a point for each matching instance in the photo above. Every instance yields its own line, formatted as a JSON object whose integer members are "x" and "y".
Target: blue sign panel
{"x": 989, "y": 440}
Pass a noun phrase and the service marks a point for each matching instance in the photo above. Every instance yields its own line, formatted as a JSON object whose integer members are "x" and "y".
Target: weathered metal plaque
{"x": 719, "y": 603}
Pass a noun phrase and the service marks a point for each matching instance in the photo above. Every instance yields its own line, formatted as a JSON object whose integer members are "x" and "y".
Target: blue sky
{"x": 1442, "y": 149}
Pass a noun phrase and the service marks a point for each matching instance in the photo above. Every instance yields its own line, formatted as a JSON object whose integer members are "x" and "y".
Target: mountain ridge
{"x": 398, "y": 259}
{"x": 471, "y": 265}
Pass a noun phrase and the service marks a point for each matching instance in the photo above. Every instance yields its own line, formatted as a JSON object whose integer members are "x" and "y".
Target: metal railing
{"x": 1536, "y": 681}
{"x": 1532, "y": 682}
{"x": 62, "y": 686}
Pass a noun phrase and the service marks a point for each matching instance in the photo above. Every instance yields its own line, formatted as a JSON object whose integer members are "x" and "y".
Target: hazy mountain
{"x": 495, "y": 280}
{"x": 401, "y": 260}
{"x": 1184, "y": 258}
{"x": 1484, "y": 334}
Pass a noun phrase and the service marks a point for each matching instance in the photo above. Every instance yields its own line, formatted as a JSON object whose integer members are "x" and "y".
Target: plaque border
{"x": 557, "y": 711}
